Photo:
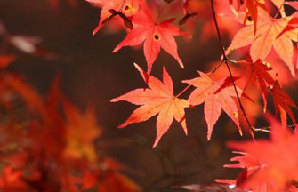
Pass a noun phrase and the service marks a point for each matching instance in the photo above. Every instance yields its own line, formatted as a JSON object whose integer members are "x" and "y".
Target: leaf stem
{"x": 185, "y": 89}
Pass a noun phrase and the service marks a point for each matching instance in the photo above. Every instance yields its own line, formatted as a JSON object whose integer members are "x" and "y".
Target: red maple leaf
{"x": 270, "y": 165}
{"x": 282, "y": 103}
{"x": 158, "y": 99}
{"x": 154, "y": 35}
{"x": 257, "y": 72}
{"x": 216, "y": 97}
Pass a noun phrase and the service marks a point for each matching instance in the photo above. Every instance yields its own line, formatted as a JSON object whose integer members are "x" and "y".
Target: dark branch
{"x": 226, "y": 61}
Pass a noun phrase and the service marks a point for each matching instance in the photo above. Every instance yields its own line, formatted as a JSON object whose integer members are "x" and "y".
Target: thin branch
{"x": 290, "y": 126}
{"x": 226, "y": 61}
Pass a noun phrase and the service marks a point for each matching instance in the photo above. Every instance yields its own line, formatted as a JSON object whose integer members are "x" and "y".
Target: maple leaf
{"x": 215, "y": 97}
{"x": 266, "y": 37}
{"x": 282, "y": 102}
{"x": 127, "y": 7}
{"x": 81, "y": 131}
{"x": 157, "y": 99}
{"x": 154, "y": 35}
{"x": 257, "y": 71}
{"x": 270, "y": 165}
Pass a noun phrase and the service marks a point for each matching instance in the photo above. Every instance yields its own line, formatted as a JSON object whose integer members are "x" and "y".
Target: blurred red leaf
{"x": 270, "y": 165}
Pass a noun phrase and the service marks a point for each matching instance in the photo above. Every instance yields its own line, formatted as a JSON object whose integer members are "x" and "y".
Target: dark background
{"x": 92, "y": 74}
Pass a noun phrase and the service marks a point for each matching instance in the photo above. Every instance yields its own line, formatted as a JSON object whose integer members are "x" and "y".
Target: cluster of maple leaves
{"x": 265, "y": 27}
{"x": 55, "y": 151}
{"x": 47, "y": 144}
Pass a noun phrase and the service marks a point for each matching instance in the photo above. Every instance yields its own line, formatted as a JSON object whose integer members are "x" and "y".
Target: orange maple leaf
{"x": 158, "y": 99}
{"x": 215, "y": 97}
{"x": 267, "y": 36}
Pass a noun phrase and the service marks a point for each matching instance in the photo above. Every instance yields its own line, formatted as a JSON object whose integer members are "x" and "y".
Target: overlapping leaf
{"x": 267, "y": 36}
{"x": 216, "y": 98}
{"x": 258, "y": 72}
{"x": 282, "y": 103}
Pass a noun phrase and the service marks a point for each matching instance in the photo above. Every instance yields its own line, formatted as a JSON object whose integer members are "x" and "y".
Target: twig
{"x": 290, "y": 126}
{"x": 226, "y": 61}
